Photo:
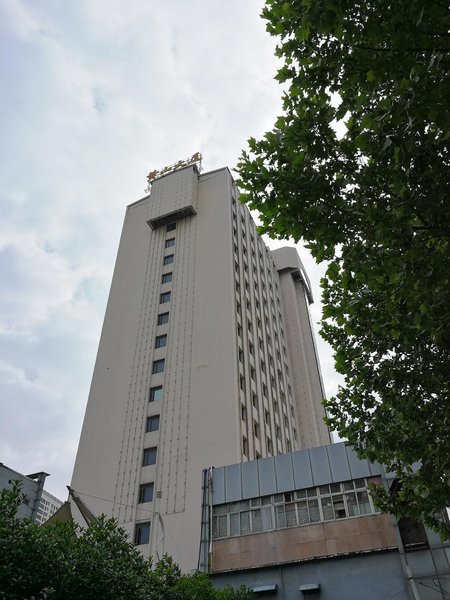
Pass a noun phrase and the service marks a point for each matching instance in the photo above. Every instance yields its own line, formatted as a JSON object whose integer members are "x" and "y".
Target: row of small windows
{"x": 149, "y": 457}
{"x": 293, "y": 509}
{"x": 265, "y": 275}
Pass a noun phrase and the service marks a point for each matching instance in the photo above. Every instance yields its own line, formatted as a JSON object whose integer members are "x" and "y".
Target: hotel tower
{"x": 206, "y": 358}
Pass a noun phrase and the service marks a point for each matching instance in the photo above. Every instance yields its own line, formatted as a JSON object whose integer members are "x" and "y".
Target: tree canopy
{"x": 64, "y": 562}
{"x": 357, "y": 166}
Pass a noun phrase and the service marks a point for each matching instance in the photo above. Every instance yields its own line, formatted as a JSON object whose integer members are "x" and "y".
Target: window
{"x": 152, "y": 423}
{"x": 155, "y": 393}
{"x": 290, "y": 509}
{"x": 413, "y": 534}
{"x": 158, "y": 366}
{"x": 245, "y": 446}
{"x": 168, "y": 260}
{"x": 171, "y": 226}
{"x": 149, "y": 457}
{"x": 256, "y": 429}
{"x": 166, "y": 278}
{"x": 161, "y": 341}
{"x": 142, "y": 533}
{"x": 163, "y": 318}
{"x": 165, "y": 297}
{"x": 169, "y": 243}
{"x": 146, "y": 492}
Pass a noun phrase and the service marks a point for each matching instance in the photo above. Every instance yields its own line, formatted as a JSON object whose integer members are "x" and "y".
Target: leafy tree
{"x": 358, "y": 167}
{"x": 65, "y": 562}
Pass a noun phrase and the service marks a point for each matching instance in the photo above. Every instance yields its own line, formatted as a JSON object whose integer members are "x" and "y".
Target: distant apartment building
{"x": 48, "y": 505}
{"x": 206, "y": 357}
{"x": 38, "y": 504}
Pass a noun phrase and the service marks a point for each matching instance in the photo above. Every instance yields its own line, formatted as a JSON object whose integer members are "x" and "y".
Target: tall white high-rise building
{"x": 206, "y": 357}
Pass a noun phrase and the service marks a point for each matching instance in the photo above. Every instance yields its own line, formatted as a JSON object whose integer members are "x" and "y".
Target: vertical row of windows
{"x": 150, "y": 454}
{"x": 263, "y": 370}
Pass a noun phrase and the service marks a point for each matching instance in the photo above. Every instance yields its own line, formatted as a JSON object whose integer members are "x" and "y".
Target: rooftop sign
{"x": 194, "y": 159}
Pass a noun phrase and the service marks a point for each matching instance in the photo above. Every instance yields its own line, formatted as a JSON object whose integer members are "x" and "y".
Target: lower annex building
{"x": 206, "y": 357}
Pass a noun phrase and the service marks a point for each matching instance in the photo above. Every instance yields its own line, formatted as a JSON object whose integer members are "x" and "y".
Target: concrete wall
{"x": 306, "y": 377}
{"x": 359, "y": 534}
{"x": 369, "y": 576}
{"x": 32, "y": 487}
{"x": 287, "y": 472}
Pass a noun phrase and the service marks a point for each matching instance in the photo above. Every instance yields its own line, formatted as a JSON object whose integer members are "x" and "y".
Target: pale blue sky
{"x": 93, "y": 95}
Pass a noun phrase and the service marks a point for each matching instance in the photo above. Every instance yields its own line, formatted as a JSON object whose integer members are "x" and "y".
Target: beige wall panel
{"x": 173, "y": 194}
{"x": 97, "y": 464}
{"x": 305, "y": 370}
{"x": 363, "y": 534}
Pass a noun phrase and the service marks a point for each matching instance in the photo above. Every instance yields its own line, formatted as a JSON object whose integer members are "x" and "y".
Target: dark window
{"x": 163, "y": 318}
{"x": 152, "y": 423}
{"x": 161, "y": 341}
{"x": 142, "y": 533}
{"x": 149, "y": 457}
{"x": 165, "y": 297}
{"x": 168, "y": 260}
{"x": 413, "y": 534}
{"x": 146, "y": 492}
{"x": 158, "y": 366}
{"x": 169, "y": 243}
{"x": 166, "y": 278}
{"x": 155, "y": 393}
{"x": 171, "y": 226}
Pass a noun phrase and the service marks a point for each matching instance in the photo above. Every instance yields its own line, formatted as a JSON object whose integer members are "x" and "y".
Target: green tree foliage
{"x": 358, "y": 167}
{"x": 65, "y": 562}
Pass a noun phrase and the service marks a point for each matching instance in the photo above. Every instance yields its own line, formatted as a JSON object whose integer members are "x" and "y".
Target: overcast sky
{"x": 93, "y": 95}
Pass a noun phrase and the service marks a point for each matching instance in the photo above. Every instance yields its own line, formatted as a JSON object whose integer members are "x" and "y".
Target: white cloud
{"x": 94, "y": 95}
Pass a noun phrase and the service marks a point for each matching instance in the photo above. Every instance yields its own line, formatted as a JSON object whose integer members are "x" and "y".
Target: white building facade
{"x": 206, "y": 357}
{"x": 48, "y": 505}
